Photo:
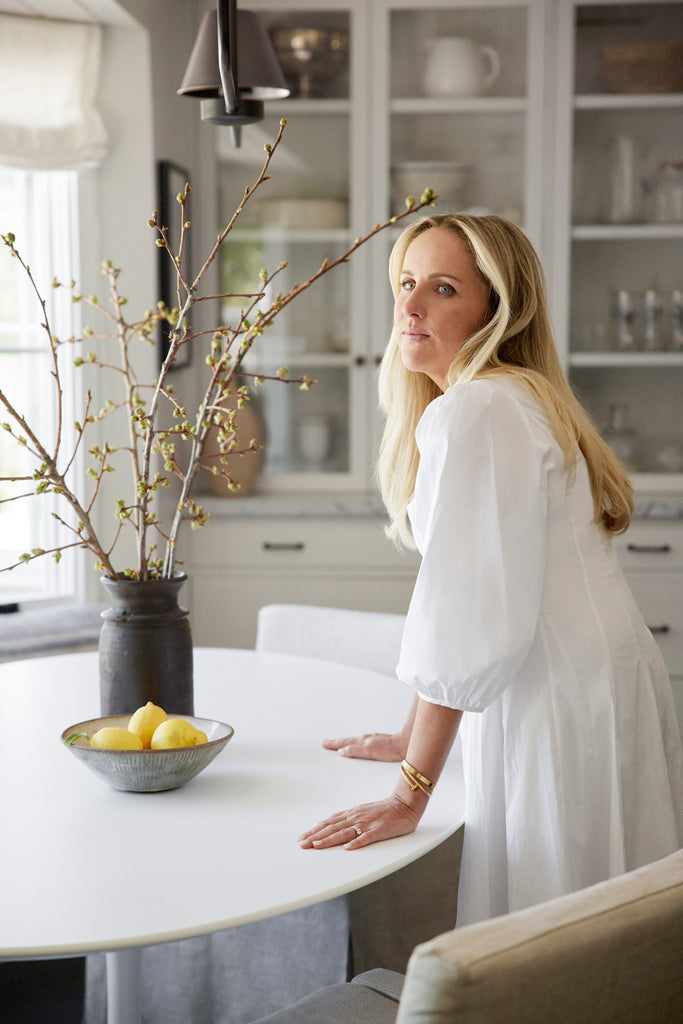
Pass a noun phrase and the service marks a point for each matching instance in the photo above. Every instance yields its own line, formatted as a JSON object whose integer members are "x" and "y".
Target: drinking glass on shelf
{"x": 314, "y": 439}
{"x": 620, "y": 435}
{"x": 652, "y": 317}
{"x": 668, "y": 194}
{"x": 625, "y": 182}
{"x": 676, "y": 339}
{"x": 625, "y": 319}
{"x": 667, "y": 455}
{"x": 590, "y": 336}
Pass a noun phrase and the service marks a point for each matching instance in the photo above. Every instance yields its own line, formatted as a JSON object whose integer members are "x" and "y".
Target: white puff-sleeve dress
{"x": 521, "y": 617}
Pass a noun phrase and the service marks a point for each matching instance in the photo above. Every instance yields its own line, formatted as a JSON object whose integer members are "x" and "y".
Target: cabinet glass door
{"x": 458, "y": 81}
{"x": 304, "y": 215}
{"x": 625, "y": 266}
{"x": 458, "y": 88}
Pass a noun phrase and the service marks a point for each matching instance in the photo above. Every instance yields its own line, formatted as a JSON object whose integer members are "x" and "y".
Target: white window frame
{"x": 45, "y": 218}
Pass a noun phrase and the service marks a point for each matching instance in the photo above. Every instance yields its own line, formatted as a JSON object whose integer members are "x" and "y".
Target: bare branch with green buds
{"x": 151, "y": 442}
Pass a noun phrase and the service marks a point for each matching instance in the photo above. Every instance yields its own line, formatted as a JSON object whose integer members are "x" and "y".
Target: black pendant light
{"x": 233, "y": 68}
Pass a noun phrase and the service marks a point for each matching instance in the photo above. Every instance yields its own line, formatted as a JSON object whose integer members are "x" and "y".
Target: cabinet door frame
{"x": 357, "y": 477}
{"x": 530, "y": 106}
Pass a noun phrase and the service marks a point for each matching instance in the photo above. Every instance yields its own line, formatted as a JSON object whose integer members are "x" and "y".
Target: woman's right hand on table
{"x": 377, "y": 746}
{"x": 373, "y": 746}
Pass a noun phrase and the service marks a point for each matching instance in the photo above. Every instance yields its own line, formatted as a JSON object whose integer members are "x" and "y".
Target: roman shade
{"x": 49, "y": 72}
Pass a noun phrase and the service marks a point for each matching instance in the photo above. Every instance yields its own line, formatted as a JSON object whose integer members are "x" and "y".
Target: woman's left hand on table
{"x": 362, "y": 825}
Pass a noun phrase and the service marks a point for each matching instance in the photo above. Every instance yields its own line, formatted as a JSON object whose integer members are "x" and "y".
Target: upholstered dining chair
{"x": 369, "y": 640}
{"x": 608, "y": 954}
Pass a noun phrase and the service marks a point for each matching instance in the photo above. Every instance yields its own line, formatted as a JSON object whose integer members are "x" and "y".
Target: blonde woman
{"x": 521, "y": 632}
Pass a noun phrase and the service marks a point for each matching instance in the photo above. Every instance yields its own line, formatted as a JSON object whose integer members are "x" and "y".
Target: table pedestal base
{"x": 124, "y": 986}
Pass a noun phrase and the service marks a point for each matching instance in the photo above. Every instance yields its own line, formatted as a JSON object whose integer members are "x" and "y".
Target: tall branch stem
{"x": 146, "y": 436}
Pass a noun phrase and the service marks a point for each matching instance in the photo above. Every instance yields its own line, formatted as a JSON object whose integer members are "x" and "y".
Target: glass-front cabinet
{"x": 564, "y": 117}
{"x": 618, "y": 226}
{"x": 388, "y": 98}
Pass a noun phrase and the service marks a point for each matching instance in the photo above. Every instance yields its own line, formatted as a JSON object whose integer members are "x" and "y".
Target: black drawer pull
{"x": 296, "y": 545}
{"x": 649, "y": 549}
{"x": 659, "y": 630}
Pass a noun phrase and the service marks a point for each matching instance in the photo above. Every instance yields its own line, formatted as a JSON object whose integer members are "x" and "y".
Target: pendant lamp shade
{"x": 259, "y": 74}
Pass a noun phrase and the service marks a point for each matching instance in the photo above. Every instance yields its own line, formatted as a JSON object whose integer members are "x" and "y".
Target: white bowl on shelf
{"x": 447, "y": 179}
{"x": 304, "y": 214}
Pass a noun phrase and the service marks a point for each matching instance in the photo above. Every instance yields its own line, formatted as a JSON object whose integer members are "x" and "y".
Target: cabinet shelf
{"x": 310, "y": 361}
{"x": 458, "y": 105}
{"x": 316, "y": 106}
{"x": 628, "y": 101}
{"x": 660, "y": 484}
{"x": 619, "y": 359}
{"x": 292, "y": 236}
{"x": 625, "y": 232}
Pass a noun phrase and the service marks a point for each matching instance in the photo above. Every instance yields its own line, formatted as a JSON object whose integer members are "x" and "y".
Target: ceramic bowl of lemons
{"x": 150, "y": 769}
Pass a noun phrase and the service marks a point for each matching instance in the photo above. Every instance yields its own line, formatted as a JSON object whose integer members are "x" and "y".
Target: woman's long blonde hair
{"x": 517, "y": 342}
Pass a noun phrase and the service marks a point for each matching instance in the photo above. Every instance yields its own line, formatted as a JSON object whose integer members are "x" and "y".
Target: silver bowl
{"x": 147, "y": 771}
{"x": 309, "y": 57}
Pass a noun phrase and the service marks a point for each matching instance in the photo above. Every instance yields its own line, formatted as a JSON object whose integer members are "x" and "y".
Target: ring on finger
{"x": 357, "y": 829}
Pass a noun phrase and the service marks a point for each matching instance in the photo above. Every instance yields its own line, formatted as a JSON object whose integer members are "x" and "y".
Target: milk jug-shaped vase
{"x": 457, "y": 66}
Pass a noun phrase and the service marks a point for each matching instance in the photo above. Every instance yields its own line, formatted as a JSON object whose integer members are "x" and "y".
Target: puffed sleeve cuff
{"x": 479, "y": 517}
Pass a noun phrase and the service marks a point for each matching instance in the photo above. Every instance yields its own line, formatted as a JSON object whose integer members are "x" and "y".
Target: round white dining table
{"x": 89, "y": 868}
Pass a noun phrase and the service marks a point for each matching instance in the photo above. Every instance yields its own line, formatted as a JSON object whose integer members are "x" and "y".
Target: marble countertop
{"x": 296, "y": 506}
{"x": 658, "y": 507}
{"x": 369, "y": 506}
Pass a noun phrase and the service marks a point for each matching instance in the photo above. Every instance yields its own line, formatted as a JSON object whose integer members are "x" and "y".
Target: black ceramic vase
{"x": 145, "y": 647}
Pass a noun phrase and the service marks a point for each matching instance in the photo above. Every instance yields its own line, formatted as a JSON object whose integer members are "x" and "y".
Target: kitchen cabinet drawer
{"x": 298, "y": 544}
{"x": 660, "y": 599}
{"x": 651, "y": 545}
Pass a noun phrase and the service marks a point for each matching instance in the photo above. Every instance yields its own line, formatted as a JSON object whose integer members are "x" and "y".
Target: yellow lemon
{"x": 111, "y": 738}
{"x": 145, "y": 720}
{"x": 197, "y": 737}
{"x": 176, "y": 732}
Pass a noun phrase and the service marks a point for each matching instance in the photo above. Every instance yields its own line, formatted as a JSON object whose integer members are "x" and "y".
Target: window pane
{"x": 39, "y": 208}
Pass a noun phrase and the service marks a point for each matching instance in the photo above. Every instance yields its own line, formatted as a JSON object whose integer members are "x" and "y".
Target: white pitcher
{"x": 457, "y": 66}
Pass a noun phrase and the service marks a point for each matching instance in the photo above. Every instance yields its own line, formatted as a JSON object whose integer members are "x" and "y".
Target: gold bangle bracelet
{"x": 415, "y": 779}
{"x": 418, "y": 775}
{"x": 414, "y": 783}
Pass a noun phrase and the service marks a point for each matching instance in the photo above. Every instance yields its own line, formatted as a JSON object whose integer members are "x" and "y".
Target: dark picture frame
{"x": 171, "y": 179}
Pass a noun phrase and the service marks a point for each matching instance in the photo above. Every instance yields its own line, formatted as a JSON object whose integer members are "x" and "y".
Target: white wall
{"x": 142, "y": 65}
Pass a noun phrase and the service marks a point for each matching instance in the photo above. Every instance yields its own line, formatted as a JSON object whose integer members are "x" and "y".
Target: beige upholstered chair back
{"x": 609, "y": 954}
